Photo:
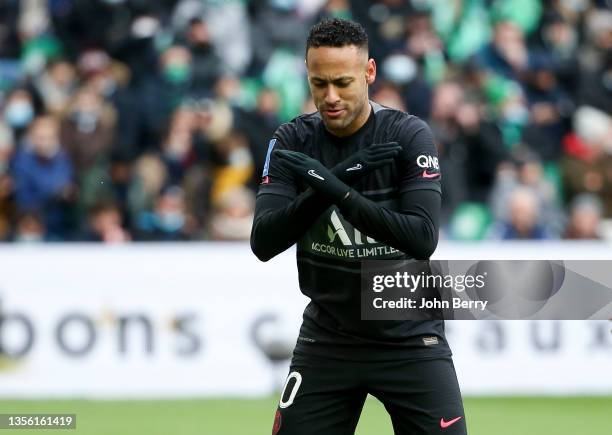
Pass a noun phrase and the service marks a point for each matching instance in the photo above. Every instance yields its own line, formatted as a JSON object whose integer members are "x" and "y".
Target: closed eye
{"x": 343, "y": 83}
{"x": 340, "y": 83}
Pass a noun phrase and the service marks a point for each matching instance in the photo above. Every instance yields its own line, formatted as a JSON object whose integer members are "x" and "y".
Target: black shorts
{"x": 325, "y": 396}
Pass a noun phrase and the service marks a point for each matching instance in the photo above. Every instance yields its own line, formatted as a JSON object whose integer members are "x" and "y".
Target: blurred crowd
{"x": 126, "y": 120}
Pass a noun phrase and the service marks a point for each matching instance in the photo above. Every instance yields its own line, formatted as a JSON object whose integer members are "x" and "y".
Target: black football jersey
{"x": 329, "y": 255}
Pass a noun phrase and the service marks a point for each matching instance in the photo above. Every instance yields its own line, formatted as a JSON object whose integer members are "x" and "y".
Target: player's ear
{"x": 371, "y": 71}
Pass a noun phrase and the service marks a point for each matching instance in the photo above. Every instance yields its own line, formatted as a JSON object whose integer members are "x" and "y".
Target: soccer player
{"x": 354, "y": 181}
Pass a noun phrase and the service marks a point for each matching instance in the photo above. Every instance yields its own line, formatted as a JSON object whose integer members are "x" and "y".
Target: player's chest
{"x": 381, "y": 184}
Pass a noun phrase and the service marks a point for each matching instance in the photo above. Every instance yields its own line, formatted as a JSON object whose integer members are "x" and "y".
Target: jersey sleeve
{"x": 275, "y": 178}
{"x": 418, "y": 164}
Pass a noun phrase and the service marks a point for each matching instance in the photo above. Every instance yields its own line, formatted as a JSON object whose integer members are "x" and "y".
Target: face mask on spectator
{"x": 516, "y": 114}
{"x": 575, "y": 5}
{"x": 176, "y": 151}
{"x": 170, "y": 221}
{"x": 107, "y": 86}
{"x": 177, "y": 73}
{"x": 29, "y": 238}
{"x": 86, "y": 120}
{"x": 285, "y": 5}
{"x": 399, "y": 69}
{"x": 19, "y": 114}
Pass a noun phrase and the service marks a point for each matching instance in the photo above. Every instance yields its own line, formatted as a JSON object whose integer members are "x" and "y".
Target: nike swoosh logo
{"x": 355, "y": 168}
{"x": 312, "y": 173}
{"x": 445, "y": 424}
{"x": 428, "y": 175}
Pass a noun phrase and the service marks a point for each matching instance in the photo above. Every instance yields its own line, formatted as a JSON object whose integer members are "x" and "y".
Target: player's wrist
{"x": 338, "y": 193}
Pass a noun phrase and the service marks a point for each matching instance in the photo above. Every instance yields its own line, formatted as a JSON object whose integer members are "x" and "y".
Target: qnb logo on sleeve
{"x": 430, "y": 165}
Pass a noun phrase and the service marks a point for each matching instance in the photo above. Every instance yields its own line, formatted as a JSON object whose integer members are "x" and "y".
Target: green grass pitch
{"x": 485, "y": 416}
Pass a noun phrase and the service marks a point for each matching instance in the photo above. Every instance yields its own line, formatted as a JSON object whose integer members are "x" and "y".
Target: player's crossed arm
{"x": 280, "y": 220}
{"x": 413, "y": 230}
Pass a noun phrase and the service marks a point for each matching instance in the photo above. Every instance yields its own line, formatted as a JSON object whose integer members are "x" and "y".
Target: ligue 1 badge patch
{"x": 277, "y": 423}
{"x": 265, "y": 178}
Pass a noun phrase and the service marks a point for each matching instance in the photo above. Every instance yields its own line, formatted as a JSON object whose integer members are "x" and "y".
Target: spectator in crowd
{"x": 233, "y": 215}
{"x": 228, "y": 25}
{"x": 335, "y": 9}
{"x": 19, "y": 110}
{"x": 56, "y": 85}
{"x": 275, "y": 23}
{"x": 521, "y": 220}
{"x": 106, "y": 224}
{"x": 148, "y": 178}
{"x": 385, "y": 22}
{"x": 165, "y": 91}
{"x": 470, "y": 146}
{"x": 44, "y": 176}
{"x": 88, "y": 130}
{"x": 206, "y": 65}
{"x": 559, "y": 39}
{"x": 584, "y": 218}
{"x": 258, "y": 126}
{"x": 526, "y": 171}
{"x": 507, "y": 54}
{"x": 168, "y": 221}
{"x": 236, "y": 167}
{"x": 588, "y": 156}
{"x": 401, "y": 71}
{"x": 9, "y": 36}
{"x": 111, "y": 81}
{"x": 549, "y": 107}
{"x": 30, "y": 228}
{"x": 595, "y": 88}
{"x": 425, "y": 46}
{"x": 447, "y": 98}
{"x": 177, "y": 149}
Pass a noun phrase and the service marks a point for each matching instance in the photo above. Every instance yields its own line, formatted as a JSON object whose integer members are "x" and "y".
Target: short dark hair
{"x": 336, "y": 32}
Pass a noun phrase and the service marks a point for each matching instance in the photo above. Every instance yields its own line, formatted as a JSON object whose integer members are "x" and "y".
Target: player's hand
{"x": 314, "y": 174}
{"x": 366, "y": 160}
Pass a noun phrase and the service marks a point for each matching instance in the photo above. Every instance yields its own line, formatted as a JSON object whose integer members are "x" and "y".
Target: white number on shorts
{"x": 296, "y": 386}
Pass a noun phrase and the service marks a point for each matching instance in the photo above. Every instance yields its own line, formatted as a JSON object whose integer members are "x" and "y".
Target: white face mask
{"x": 283, "y": 4}
{"x": 18, "y": 114}
{"x": 29, "y": 238}
{"x": 399, "y": 69}
{"x": 575, "y": 5}
{"x": 171, "y": 221}
{"x": 516, "y": 114}
{"x": 86, "y": 120}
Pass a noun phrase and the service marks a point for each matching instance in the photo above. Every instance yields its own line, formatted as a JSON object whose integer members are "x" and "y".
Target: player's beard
{"x": 341, "y": 124}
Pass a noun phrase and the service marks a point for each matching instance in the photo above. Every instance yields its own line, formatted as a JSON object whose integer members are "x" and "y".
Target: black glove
{"x": 313, "y": 173}
{"x": 365, "y": 161}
